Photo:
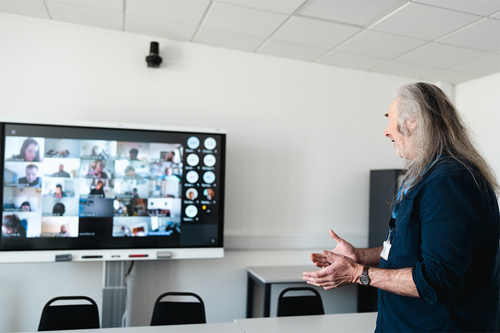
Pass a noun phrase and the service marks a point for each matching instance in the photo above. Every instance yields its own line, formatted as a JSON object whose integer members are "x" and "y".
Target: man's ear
{"x": 411, "y": 125}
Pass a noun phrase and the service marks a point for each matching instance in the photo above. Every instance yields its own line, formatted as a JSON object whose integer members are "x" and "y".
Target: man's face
{"x": 31, "y": 174}
{"x": 403, "y": 148}
{"x": 61, "y": 167}
{"x": 98, "y": 186}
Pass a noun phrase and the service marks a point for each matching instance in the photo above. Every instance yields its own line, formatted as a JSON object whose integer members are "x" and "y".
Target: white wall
{"x": 479, "y": 102}
{"x": 301, "y": 141}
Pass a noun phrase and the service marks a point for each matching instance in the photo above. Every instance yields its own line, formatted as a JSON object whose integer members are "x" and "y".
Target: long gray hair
{"x": 440, "y": 131}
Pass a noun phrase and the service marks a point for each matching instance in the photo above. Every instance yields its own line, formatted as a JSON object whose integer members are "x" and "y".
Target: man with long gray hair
{"x": 438, "y": 268}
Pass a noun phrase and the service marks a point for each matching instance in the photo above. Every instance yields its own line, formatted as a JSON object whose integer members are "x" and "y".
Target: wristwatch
{"x": 364, "y": 278}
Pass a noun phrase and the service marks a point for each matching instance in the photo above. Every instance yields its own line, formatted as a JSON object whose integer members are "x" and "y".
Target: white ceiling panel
{"x": 451, "y": 39}
{"x": 350, "y": 60}
{"x": 140, "y": 25}
{"x": 484, "y": 35}
{"x": 80, "y": 15}
{"x": 424, "y": 22}
{"x": 440, "y": 55}
{"x": 357, "y": 12}
{"x": 314, "y": 33}
{"x": 451, "y": 77}
{"x": 175, "y": 11}
{"x": 405, "y": 69}
{"x": 484, "y": 66}
{"x": 289, "y": 50}
{"x": 115, "y": 6}
{"x": 277, "y": 6}
{"x": 34, "y": 8}
{"x": 241, "y": 20}
{"x": 228, "y": 40}
{"x": 380, "y": 45}
{"x": 479, "y": 7}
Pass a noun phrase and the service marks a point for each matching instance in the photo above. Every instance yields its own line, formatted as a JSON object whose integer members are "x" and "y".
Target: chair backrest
{"x": 300, "y": 305}
{"x": 69, "y": 317}
{"x": 177, "y": 313}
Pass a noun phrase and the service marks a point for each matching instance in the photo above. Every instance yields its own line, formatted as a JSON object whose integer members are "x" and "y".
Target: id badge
{"x": 385, "y": 251}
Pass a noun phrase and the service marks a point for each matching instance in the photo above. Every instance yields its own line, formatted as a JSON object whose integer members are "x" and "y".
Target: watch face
{"x": 365, "y": 280}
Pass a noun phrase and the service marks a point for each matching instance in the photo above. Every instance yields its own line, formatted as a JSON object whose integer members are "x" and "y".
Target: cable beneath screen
{"x": 130, "y": 268}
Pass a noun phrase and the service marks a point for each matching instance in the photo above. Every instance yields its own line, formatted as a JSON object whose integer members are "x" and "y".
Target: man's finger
{"x": 315, "y": 274}
{"x": 334, "y": 236}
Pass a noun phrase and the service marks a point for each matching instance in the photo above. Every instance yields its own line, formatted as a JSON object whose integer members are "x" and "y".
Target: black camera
{"x": 153, "y": 59}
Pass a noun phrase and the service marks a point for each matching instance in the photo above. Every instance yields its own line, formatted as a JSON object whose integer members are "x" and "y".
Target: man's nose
{"x": 386, "y": 132}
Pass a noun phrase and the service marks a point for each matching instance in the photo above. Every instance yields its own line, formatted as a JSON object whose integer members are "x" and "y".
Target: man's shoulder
{"x": 452, "y": 167}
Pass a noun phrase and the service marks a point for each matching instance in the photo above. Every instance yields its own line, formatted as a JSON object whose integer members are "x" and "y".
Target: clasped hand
{"x": 339, "y": 266}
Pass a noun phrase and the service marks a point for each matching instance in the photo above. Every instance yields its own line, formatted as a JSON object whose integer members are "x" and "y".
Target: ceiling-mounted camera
{"x": 153, "y": 59}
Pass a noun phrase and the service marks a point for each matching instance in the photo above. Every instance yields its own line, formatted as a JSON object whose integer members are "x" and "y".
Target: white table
{"x": 345, "y": 323}
{"x": 269, "y": 275}
{"x": 197, "y": 328}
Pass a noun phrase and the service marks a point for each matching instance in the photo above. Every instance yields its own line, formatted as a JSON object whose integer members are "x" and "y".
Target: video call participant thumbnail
{"x": 30, "y": 151}
{"x": 98, "y": 190}
{"x": 61, "y": 172}
{"x": 31, "y": 179}
{"x": 12, "y": 227}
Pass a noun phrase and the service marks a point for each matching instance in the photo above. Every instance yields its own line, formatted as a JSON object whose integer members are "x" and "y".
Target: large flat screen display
{"x": 110, "y": 193}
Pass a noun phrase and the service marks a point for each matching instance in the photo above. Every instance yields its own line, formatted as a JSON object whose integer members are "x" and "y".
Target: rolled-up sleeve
{"x": 453, "y": 219}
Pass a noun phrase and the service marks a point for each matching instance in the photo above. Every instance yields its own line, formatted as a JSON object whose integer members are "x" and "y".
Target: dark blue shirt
{"x": 447, "y": 230}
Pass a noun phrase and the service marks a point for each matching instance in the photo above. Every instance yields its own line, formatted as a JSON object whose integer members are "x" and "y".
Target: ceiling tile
{"x": 34, "y": 8}
{"x": 314, "y": 32}
{"x": 161, "y": 29}
{"x": 97, "y": 18}
{"x": 424, "y": 22}
{"x": 440, "y": 55}
{"x": 484, "y": 35}
{"x": 115, "y": 6}
{"x": 350, "y": 60}
{"x": 176, "y": 11}
{"x": 451, "y": 77}
{"x": 348, "y": 11}
{"x": 277, "y": 6}
{"x": 289, "y": 50}
{"x": 228, "y": 40}
{"x": 240, "y": 20}
{"x": 479, "y": 7}
{"x": 380, "y": 45}
{"x": 484, "y": 66}
{"x": 405, "y": 69}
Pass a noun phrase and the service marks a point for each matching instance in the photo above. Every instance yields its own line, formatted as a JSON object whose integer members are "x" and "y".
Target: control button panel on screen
{"x": 192, "y": 177}
{"x": 210, "y": 143}
{"x": 193, "y": 142}
{"x": 193, "y": 159}
{"x": 209, "y": 177}
{"x": 191, "y": 211}
{"x": 209, "y": 160}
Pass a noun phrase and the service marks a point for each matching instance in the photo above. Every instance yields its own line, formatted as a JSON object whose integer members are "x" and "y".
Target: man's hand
{"x": 344, "y": 248}
{"x": 342, "y": 271}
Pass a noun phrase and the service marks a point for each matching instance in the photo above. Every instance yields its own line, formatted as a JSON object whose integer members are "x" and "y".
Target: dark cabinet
{"x": 384, "y": 186}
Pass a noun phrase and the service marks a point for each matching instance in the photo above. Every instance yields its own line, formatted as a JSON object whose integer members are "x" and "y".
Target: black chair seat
{"x": 177, "y": 313}
{"x": 68, "y": 317}
{"x": 300, "y": 305}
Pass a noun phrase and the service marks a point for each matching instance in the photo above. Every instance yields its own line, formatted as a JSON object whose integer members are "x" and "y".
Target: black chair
{"x": 177, "y": 313}
{"x": 300, "y": 305}
{"x": 69, "y": 317}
